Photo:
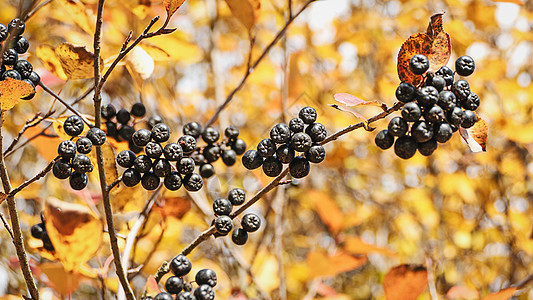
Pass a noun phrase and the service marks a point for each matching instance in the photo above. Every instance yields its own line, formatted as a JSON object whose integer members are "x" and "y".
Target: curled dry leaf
{"x": 77, "y": 61}
{"x": 110, "y": 164}
{"x": 172, "y": 5}
{"x": 501, "y": 295}
{"x": 74, "y": 230}
{"x": 322, "y": 264}
{"x": 11, "y": 91}
{"x": 246, "y": 11}
{"x": 405, "y": 282}
{"x": 350, "y": 101}
{"x": 476, "y": 136}
{"x": 80, "y": 14}
{"x": 434, "y": 43}
{"x": 140, "y": 65}
{"x": 50, "y": 61}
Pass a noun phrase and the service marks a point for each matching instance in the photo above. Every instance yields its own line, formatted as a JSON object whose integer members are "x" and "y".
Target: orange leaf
{"x": 247, "y": 11}
{"x": 11, "y": 91}
{"x": 434, "y": 43}
{"x": 405, "y": 282}
{"x": 327, "y": 210}
{"x": 322, "y": 264}
{"x": 501, "y": 295}
{"x": 61, "y": 280}
{"x": 172, "y": 5}
{"x": 519, "y": 2}
{"x": 175, "y": 207}
{"x": 355, "y": 245}
{"x": 462, "y": 292}
{"x": 476, "y": 136}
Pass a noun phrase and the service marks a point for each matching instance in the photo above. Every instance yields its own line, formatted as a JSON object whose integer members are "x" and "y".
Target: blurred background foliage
{"x": 465, "y": 216}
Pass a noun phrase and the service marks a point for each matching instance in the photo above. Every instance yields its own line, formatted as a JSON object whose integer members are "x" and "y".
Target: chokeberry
{"x": 447, "y": 100}
{"x": 153, "y": 150}
{"x": 435, "y": 114}
{"x": 142, "y": 163}
{"x": 180, "y": 265}
{"x": 111, "y": 129}
{"x": 422, "y": 131}
{"x": 211, "y": 153}
{"x": 308, "y": 115}
{"x": 266, "y": 147}
{"x": 24, "y": 68}
{"x": 198, "y": 158}
{"x": 301, "y": 142}
{"x": 10, "y": 57}
{"x": 126, "y": 158}
{"x": 187, "y": 143}
{"x": 239, "y": 236}
{"x": 161, "y": 167}
{"x": 427, "y": 148}
{"x": 316, "y": 154}
{"x": 229, "y": 157}
{"x": 427, "y": 96}
{"x": 163, "y": 296}
{"x": 469, "y": 119}
{"x": 131, "y": 177}
{"x": 405, "y": 147}
{"x": 174, "y": 284}
{"x": 37, "y": 230}
{"x": 252, "y": 160}
{"x": 210, "y": 135}
{"x": 160, "y": 132}
{"x": 35, "y": 78}
{"x": 78, "y": 181}
{"x": 223, "y": 225}
{"x": 206, "y": 170}
{"x": 62, "y": 169}
{"x": 97, "y": 136}
{"x": 193, "y": 182}
{"x": 3, "y": 32}
{"x": 185, "y": 296}
{"x": 141, "y": 137}
{"x": 446, "y": 73}
{"x": 231, "y": 132}
{"x": 73, "y": 125}
{"x": 204, "y": 292}
{"x": 465, "y": 65}
{"x": 272, "y": 167}
{"x": 317, "y": 132}
{"x": 66, "y": 149}
{"x": 185, "y": 165}
{"x": 16, "y": 26}
{"x": 384, "y": 139}
{"x": 11, "y": 74}
{"x": 193, "y": 129}
{"x": 187, "y": 287}
{"x": 250, "y": 222}
{"x": 82, "y": 163}
{"x": 154, "y": 120}
{"x": 173, "y": 152}
{"x": 123, "y": 116}
{"x": 206, "y": 276}
{"x": 437, "y": 82}
{"x": 411, "y": 112}
{"x": 138, "y": 110}
{"x": 150, "y": 181}
{"x": 126, "y": 132}
{"x": 285, "y": 153}
{"x": 108, "y": 112}
{"x": 280, "y": 133}
{"x": 236, "y": 196}
{"x": 222, "y": 207}
{"x": 84, "y": 145}
{"x": 471, "y": 102}
{"x": 455, "y": 116}
{"x": 299, "y": 167}
{"x": 419, "y": 64}
{"x": 296, "y": 125}
{"x": 405, "y": 92}
{"x": 239, "y": 146}
{"x": 398, "y": 126}
{"x": 173, "y": 181}
{"x": 47, "y": 243}
{"x": 461, "y": 89}
{"x": 442, "y": 132}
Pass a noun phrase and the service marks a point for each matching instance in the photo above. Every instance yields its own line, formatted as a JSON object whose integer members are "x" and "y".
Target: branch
{"x": 34, "y": 178}
{"x": 29, "y": 123}
{"x": 68, "y": 106}
{"x": 256, "y": 63}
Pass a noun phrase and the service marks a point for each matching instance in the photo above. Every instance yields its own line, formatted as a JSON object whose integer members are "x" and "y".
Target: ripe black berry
{"x": 266, "y": 147}
{"x": 66, "y": 149}
{"x": 37, "y": 230}
{"x": 229, "y": 157}
{"x": 405, "y": 92}
{"x": 97, "y": 136}
{"x": 223, "y": 224}
{"x": 251, "y": 222}
{"x": 47, "y": 243}
{"x": 206, "y": 276}
{"x": 131, "y": 177}
{"x": 232, "y": 132}
{"x": 3, "y": 32}
{"x": 10, "y": 57}
{"x": 180, "y": 265}
{"x": 272, "y": 167}
{"x": 280, "y": 133}
{"x": 422, "y": 131}
{"x": 153, "y": 150}
{"x": 126, "y": 158}
{"x": 193, "y": 129}
{"x": 437, "y": 82}
{"x": 445, "y": 73}
{"x": 222, "y": 207}
{"x": 210, "y": 135}
{"x": 198, "y": 158}
{"x": 447, "y": 100}
{"x": 239, "y": 146}
{"x": 418, "y": 64}
{"x": 173, "y": 152}
{"x": 252, "y": 160}
{"x": 204, "y": 292}
{"x": 11, "y": 74}
{"x": 308, "y": 115}
{"x": 461, "y": 89}
{"x": 471, "y": 102}
{"x": 427, "y": 148}
{"x": 455, "y": 116}
{"x": 150, "y": 181}
{"x": 411, "y": 112}
{"x": 81, "y": 163}
{"x": 142, "y": 163}
{"x": 442, "y": 132}
{"x": 185, "y": 165}
{"x": 73, "y": 125}
{"x": 316, "y": 154}
{"x": 193, "y": 182}
{"x": 236, "y": 196}
{"x": 138, "y": 110}
{"x": 434, "y": 114}
{"x": 384, "y": 139}
{"x": 317, "y": 132}
{"x": 187, "y": 143}
{"x": 78, "y": 181}
{"x": 141, "y": 137}
{"x": 16, "y": 26}
{"x": 398, "y": 126}
{"x": 160, "y": 133}
{"x": 206, "y": 170}
{"x": 35, "y": 78}
{"x": 405, "y": 147}
{"x": 185, "y": 296}
{"x": 24, "y": 68}
{"x": 163, "y": 296}
{"x": 111, "y": 129}
{"x": 465, "y": 65}
{"x": 123, "y": 116}
{"x": 108, "y": 112}
{"x": 239, "y": 236}
{"x": 84, "y": 145}
{"x": 161, "y": 167}
{"x": 469, "y": 119}
{"x": 174, "y": 284}
{"x": 301, "y": 142}
{"x": 211, "y": 153}
{"x": 285, "y": 153}
{"x": 173, "y": 181}
{"x": 299, "y": 167}
{"x": 62, "y": 169}
{"x": 296, "y": 125}
{"x": 427, "y": 96}
{"x": 154, "y": 120}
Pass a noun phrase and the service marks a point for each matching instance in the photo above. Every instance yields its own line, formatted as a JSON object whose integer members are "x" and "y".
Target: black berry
{"x": 434, "y": 114}
{"x": 296, "y": 125}
{"x": 73, "y": 125}
{"x": 187, "y": 143}
{"x": 10, "y": 57}
{"x": 206, "y": 276}
{"x": 16, "y": 26}
{"x": 141, "y": 137}
{"x": 123, "y": 116}
{"x": 173, "y": 152}
{"x": 174, "y": 284}
{"x": 37, "y": 230}
{"x": 239, "y": 146}
{"x": 173, "y": 181}
{"x": 138, "y": 110}
{"x": 142, "y": 163}
{"x": 11, "y": 74}
{"x": 299, "y": 167}
{"x": 222, "y": 207}
{"x": 229, "y": 157}
{"x": 204, "y": 292}
{"x": 62, "y": 169}
{"x": 97, "y": 136}
{"x": 280, "y": 133}
{"x": 131, "y": 177}
{"x": 160, "y": 133}
{"x": 239, "y": 236}
{"x": 153, "y": 150}
{"x": 469, "y": 119}
{"x": 78, "y": 181}
{"x": 193, "y": 182}
{"x": 3, "y": 32}
{"x": 126, "y": 158}
{"x": 111, "y": 129}
{"x": 108, "y": 112}
{"x": 266, "y": 147}
{"x": 405, "y": 92}
{"x": 419, "y": 64}
{"x": 251, "y": 222}
{"x": 84, "y": 145}
{"x": 185, "y": 296}
{"x": 384, "y": 139}
{"x": 447, "y": 100}
{"x": 24, "y": 68}
{"x": 411, "y": 112}
{"x": 446, "y": 73}
{"x": 308, "y": 115}
{"x": 461, "y": 89}
{"x": 66, "y": 149}
{"x": 161, "y": 167}
{"x": 301, "y": 142}
{"x": 163, "y": 296}
{"x": 285, "y": 153}
{"x": 272, "y": 167}
{"x": 427, "y": 96}
{"x": 427, "y": 148}
{"x": 252, "y": 160}
{"x": 442, "y": 132}
{"x": 154, "y": 120}
{"x": 236, "y": 196}
{"x": 223, "y": 225}
{"x": 185, "y": 165}
{"x": 422, "y": 131}
{"x": 398, "y": 126}
{"x": 35, "y": 78}
{"x": 232, "y": 132}
{"x": 210, "y": 135}
{"x": 193, "y": 129}
{"x": 455, "y": 116}
{"x": 465, "y": 65}
{"x": 150, "y": 181}
{"x": 211, "y": 153}
{"x": 405, "y": 147}
{"x": 317, "y": 132}
{"x": 437, "y": 82}
{"x": 206, "y": 170}
{"x": 81, "y": 163}
{"x": 316, "y": 154}
{"x": 471, "y": 102}
{"x": 126, "y": 132}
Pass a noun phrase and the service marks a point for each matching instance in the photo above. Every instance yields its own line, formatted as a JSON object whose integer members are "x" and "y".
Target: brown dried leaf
{"x": 405, "y": 282}
{"x": 77, "y": 61}
{"x": 247, "y": 11}
{"x": 501, "y": 295}
{"x": 50, "y": 61}
{"x": 476, "y": 136}
{"x": 74, "y": 230}
{"x": 322, "y": 264}
{"x": 172, "y": 5}
{"x": 434, "y": 43}
{"x": 11, "y": 91}
{"x": 355, "y": 245}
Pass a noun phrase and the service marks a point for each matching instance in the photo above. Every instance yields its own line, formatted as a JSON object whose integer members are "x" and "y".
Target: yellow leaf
{"x": 172, "y": 5}
{"x": 77, "y": 61}
{"x": 355, "y": 245}
{"x": 247, "y": 11}
{"x": 110, "y": 165}
{"x": 80, "y": 14}
{"x": 156, "y": 53}
{"x": 11, "y": 91}
{"x": 501, "y": 295}
{"x": 178, "y": 49}
{"x": 50, "y": 61}
{"x": 405, "y": 282}
{"x": 322, "y": 264}
{"x": 74, "y": 230}
{"x": 519, "y": 2}
{"x": 63, "y": 281}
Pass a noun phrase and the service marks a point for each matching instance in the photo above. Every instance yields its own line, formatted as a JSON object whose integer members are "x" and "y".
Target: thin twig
{"x": 29, "y": 123}
{"x": 256, "y": 63}
{"x": 113, "y": 184}
{"x": 68, "y": 106}
{"x": 31, "y": 13}
{"x": 6, "y": 225}
{"x": 34, "y": 178}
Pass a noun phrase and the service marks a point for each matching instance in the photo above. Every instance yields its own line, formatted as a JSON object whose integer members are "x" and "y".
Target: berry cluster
{"x": 74, "y": 162}
{"x": 227, "y": 149}
{"x": 224, "y": 224}
{"x": 125, "y": 130}
{"x": 38, "y": 231}
{"x": 432, "y": 111}
{"x": 16, "y": 44}
{"x": 301, "y": 135}
{"x": 180, "y": 267}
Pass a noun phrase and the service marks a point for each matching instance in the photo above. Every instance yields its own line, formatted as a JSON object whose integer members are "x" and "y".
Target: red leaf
{"x": 405, "y": 282}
